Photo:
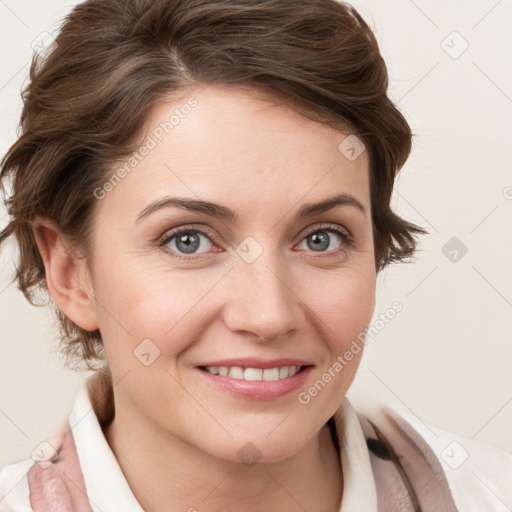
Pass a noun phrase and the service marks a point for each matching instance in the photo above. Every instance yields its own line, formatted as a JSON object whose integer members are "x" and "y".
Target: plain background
{"x": 447, "y": 355}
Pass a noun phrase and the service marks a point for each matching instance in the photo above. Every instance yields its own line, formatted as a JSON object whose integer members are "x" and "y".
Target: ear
{"x": 67, "y": 276}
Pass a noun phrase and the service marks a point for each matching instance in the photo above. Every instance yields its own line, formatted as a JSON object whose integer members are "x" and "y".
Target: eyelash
{"x": 348, "y": 240}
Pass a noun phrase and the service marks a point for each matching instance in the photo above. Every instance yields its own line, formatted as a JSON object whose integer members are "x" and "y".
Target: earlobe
{"x": 67, "y": 275}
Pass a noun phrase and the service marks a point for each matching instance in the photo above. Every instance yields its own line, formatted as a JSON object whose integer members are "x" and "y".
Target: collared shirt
{"x": 482, "y": 483}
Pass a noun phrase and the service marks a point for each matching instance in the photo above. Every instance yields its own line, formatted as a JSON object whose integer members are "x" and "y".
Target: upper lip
{"x": 252, "y": 362}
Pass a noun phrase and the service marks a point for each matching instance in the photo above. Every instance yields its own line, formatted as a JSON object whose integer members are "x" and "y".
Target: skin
{"x": 175, "y": 435}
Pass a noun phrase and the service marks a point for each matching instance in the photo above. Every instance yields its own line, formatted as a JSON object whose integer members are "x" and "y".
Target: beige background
{"x": 447, "y": 356}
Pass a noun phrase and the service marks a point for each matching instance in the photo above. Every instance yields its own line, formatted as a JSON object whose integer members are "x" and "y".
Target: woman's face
{"x": 261, "y": 280}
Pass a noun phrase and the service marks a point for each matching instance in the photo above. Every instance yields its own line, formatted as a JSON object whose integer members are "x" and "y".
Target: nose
{"x": 261, "y": 300}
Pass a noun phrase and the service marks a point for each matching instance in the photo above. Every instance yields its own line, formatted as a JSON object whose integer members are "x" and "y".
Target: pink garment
{"x": 408, "y": 475}
{"x": 60, "y": 487}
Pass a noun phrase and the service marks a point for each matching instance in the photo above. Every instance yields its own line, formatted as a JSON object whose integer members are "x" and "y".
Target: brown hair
{"x": 113, "y": 60}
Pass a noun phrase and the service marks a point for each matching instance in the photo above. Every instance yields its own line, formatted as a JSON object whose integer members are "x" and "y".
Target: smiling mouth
{"x": 255, "y": 374}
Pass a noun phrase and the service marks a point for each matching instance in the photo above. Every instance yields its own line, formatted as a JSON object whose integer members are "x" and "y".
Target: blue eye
{"x": 186, "y": 243}
{"x": 322, "y": 240}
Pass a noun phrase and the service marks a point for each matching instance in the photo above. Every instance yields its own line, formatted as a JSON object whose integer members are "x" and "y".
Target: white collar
{"x": 106, "y": 483}
{"x": 104, "y": 480}
{"x": 359, "y": 490}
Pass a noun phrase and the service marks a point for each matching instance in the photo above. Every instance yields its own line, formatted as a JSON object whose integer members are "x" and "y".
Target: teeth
{"x": 236, "y": 372}
{"x": 252, "y": 374}
{"x": 271, "y": 374}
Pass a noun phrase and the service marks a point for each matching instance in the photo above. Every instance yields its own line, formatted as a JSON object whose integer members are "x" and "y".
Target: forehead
{"x": 240, "y": 148}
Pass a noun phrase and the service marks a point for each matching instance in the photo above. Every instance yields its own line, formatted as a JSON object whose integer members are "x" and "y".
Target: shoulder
{"x": 14, "y": 490}
{"x": 479, "y": 474}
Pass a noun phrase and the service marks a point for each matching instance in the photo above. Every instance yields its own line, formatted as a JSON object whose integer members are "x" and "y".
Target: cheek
{"x": 345, "y": 306}
{"x": 140, "y": 304}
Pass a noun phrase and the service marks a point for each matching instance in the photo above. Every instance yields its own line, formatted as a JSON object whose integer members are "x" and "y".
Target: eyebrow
{"x": 221, "y": 212}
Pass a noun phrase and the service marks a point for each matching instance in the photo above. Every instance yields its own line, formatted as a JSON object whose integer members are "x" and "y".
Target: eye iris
{"x": 320, "y": 241}
{"x": 190, "y": 242}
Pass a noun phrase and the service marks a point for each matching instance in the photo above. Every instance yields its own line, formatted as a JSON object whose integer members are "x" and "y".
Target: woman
{"x": 203, "y": 189}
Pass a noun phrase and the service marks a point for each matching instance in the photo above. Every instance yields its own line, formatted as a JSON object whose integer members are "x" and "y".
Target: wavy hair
{"x": 90, "y": 94}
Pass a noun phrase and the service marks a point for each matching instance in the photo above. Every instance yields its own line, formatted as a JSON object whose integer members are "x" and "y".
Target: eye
{"x": 187, "y": 241}
{"x": 328, "y": 238}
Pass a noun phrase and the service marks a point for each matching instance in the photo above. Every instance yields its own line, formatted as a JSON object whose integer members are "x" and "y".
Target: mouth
{"x": 256, "y": 380}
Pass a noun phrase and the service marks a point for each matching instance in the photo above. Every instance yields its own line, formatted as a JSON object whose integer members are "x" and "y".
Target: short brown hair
{"x": 114, "y": 60}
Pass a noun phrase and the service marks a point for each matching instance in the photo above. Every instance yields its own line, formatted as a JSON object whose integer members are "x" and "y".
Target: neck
{"x": 166, "y": 473}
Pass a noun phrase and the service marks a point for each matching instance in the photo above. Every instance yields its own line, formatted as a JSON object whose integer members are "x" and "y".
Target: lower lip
{"x": 258, "y": 389}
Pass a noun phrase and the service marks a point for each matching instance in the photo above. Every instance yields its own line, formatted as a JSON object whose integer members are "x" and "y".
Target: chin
{"x": 261, "y": 447}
